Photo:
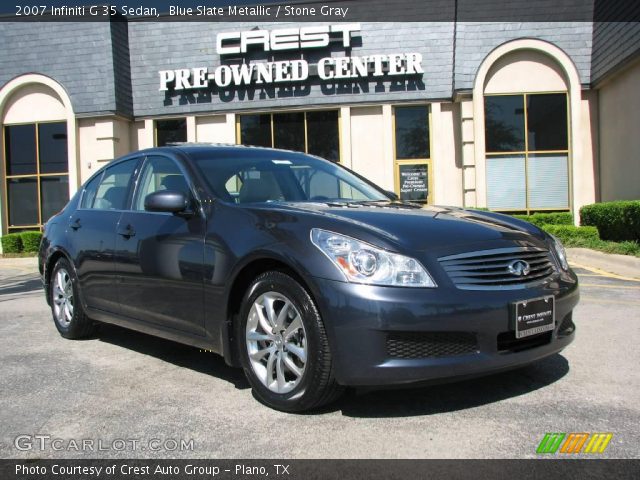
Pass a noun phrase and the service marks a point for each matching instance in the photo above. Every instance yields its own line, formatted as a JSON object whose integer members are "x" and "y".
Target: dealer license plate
{"x": 534, "y": 316}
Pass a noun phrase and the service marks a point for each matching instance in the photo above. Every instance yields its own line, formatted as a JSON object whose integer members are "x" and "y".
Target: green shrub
{"x": 541, "y": 219}
{"x": 30, "y": 241}
{"x": 568, "y": 234}
{"x": 621, "y": 248}
{"x": 587, "y": 237}
{"x": 614, "y": 220}
{"x": 11, "y": 243}
{"x": 556, "y": 218}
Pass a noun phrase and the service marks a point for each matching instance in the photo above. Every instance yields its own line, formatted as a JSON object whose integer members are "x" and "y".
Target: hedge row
{"x": 542, "y": 219}
{"x": 11, "y": 243}
{"x": 27, "y": 242}
{"x": 569, "y": 233}
{"x": 30, "y": 241}
{"x": 612, "y": 227}
{"x": 616, "y": 221}
{"x": 587, "y": 237}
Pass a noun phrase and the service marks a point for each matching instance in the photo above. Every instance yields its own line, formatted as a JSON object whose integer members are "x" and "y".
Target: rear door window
{"x": 89, "y": 194}
{"x": 113, "y": 191}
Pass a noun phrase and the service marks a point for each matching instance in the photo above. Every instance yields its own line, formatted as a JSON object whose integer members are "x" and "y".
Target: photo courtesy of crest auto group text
{"x": 337, "y": 239}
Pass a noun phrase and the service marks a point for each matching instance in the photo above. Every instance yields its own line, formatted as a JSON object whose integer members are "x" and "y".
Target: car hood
{"x": 417, "y": 227}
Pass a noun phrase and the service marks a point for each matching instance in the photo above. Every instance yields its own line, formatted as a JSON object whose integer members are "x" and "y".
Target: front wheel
{"x": 284, "y": 347}
{"x": 68, "y": 314}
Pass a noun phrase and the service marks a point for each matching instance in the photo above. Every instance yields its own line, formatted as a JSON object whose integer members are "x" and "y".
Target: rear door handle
{"x": 127, "y": 231}
{"x": 75, "y": 224}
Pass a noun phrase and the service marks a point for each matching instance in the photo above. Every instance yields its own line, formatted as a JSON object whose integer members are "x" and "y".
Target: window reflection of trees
{"x": 322, "y": 132}
{"x": 288, "y": 131}
{"x": 412, "y": 132}
{"x": 414, "y": 142}
{"x": 504, "y": 125}
{"x": 256, "y": 130}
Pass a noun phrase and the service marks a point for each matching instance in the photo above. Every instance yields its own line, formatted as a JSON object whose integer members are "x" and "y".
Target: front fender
{"x": 243, "y": 273}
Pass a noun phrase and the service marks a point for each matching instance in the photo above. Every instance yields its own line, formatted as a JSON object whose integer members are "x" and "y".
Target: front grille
{"x": 508, "y": 343}
{"x": 489, "y": 269}
{"x": 431, "y": 344}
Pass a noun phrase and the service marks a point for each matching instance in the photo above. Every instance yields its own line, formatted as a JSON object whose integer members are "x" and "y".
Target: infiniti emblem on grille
{"x": 519, "y": 268}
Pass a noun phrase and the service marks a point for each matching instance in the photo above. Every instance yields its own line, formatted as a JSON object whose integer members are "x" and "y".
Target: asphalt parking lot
{"x": 162, "y": 399}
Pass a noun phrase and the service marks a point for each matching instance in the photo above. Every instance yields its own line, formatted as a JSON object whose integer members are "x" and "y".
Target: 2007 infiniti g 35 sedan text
{"x": 303, "y": 273}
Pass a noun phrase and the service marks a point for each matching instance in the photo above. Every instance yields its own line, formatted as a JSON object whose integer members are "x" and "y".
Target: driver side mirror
{"x": 166, "y": 201}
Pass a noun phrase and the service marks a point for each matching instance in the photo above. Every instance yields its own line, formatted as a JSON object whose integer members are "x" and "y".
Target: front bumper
{"x": 366, "y": 324}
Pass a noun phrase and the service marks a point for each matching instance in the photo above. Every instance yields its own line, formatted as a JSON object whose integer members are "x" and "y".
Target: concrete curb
{"x": 18, "y": 266}
{"x": 623, "y": 265}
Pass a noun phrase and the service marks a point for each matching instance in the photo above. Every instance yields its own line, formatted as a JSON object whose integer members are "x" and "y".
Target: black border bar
{"x": 357, "y": 10}
{"x": 227, "y": 469}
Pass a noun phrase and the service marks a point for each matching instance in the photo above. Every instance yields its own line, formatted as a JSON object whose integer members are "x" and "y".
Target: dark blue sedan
{"x": 303, "y": 273}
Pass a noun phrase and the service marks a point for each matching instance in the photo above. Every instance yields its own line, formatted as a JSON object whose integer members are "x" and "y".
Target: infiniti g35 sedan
{"x": 305, "y": 274}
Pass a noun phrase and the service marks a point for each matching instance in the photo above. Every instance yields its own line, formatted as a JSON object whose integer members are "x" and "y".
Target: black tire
{"x": 317, "y": 385}
{"x": 78, "y": 325}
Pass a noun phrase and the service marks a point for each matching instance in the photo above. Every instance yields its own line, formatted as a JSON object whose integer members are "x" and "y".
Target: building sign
{"x": 285, "y": 38}
{"x": 311, "y": 37}
{"x": 414, "y": 182}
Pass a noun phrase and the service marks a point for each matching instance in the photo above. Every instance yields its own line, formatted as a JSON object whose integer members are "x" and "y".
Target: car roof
{"x": 220, "y": 148}
{"x": 211, "y": 150}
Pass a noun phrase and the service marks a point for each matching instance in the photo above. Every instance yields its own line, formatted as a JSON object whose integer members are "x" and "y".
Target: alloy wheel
{"x": 276, "y": 342}
{"x": 63, "y": 297}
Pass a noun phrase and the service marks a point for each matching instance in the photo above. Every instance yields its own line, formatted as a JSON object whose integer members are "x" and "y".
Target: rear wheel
{"x": 284, "y": 347}
{"x": 68, "y": 314}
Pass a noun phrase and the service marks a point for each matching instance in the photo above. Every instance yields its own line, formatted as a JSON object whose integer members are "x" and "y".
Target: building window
{"x": 315, "y": 132}
{"x": 413, "y": 170}
{"x": 527, "y": 147}
{"x": 171, "y": 131}
{"x": 289, "y": 131}
{"x": 36, "y": 173}
{"x": 256, "y": 130}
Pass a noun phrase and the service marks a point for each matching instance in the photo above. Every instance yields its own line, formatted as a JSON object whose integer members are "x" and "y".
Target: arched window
{"x": 526, "y": 100}
{"x": 35, "y": 156}
{"x": 526, "y": 134}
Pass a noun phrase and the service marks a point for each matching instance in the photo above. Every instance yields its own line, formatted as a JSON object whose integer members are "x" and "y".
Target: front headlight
{"x": 560, "y": 252}
{"x": 364, "y": 263}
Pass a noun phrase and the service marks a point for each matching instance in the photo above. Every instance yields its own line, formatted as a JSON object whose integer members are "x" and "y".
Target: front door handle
{"x": 75, "y": 225}
{"x": 126, "y": 232}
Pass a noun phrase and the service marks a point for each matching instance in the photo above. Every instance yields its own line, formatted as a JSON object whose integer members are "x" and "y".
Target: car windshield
{"x": 282, "y": 177}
